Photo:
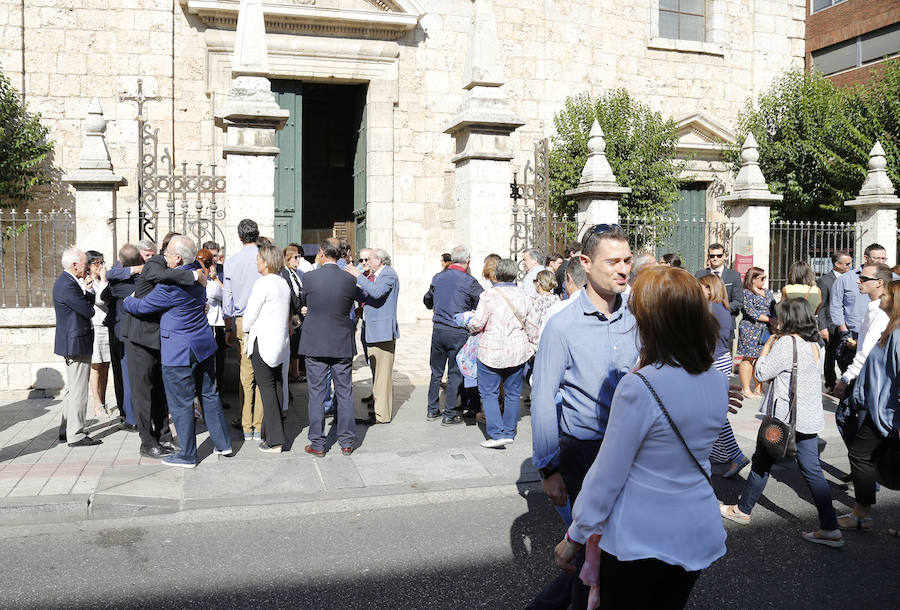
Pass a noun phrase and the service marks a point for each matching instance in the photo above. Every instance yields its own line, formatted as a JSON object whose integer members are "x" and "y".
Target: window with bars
{"x": 859, "y": 51}
{"x": 682, "y": 19}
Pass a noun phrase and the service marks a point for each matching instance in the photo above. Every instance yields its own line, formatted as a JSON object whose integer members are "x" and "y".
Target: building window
{"x": 682, "y": 19}
{"x": 857, "y": 52}
{"x": 821, "y": 5}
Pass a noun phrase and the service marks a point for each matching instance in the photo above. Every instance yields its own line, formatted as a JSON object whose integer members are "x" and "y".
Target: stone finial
{"x": 251, "y": 57}
{"x": 877, "y": 182}
{"x": 484, "y": 61}
{"x": 597, "y": 168}
{"x": 750, "y": 177}
{"x": 94, "y": 153}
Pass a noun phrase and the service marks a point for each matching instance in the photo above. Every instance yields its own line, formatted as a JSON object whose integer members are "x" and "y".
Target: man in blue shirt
{"x": 585, "y": 350}
{"x": 848, "y": 306}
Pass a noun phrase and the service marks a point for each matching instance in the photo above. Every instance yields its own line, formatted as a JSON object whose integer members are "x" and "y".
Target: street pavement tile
{"x": 140, "y": 481}
{"x": 411, "y": 467}
{"x": 274, "y": 474}
{"x": 338, "y": 472}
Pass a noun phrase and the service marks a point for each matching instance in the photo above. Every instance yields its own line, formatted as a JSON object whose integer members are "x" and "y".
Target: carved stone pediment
{"x": 702, "y": 137}
{"x": 376, "y": 19}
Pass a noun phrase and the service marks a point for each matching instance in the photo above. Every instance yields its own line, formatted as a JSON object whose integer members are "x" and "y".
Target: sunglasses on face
{"x": 865, "y": 278}
{"x": 716, "y": 255}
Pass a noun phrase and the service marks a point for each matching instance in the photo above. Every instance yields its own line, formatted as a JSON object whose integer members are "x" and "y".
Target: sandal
{"x": 101, "y": 411}
{"x": 852, "y": 522}
{"x": 736, "y": 467}
{"x": 831, "y": 539}
{"x": 733, "y": 513}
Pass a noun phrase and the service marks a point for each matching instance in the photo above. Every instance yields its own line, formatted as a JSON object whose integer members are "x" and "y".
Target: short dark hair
{"x": 715, "y": 246}
{"x": 801, "y": 273}
{"x": 345, "y": 247}
{"x": 795, "y": 316}
{"x": 130, "y": 256}
{"x": 330, "y": 249}
{"x": 575, "y": 272}
{"x": 752, "y": 274}
{"x": 591, "y": 240}
{"x": 873, "y": 247}
{"x": 837, "y": 254}
{"x": 572, "y": 248}
{"x": 166, "y": 240}
{"x": 248, "y": 231}
{"x": 445, "y": 257}
{"x": 209, "y": 245}
{"x": 672, "y": 259}
{"x": 93, "y": 255}
{"x": 882, "y": 272}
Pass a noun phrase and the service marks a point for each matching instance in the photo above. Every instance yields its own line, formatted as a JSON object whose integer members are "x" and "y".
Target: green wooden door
{"x": 289, "y": 164}
{"x": 359, "y": 175}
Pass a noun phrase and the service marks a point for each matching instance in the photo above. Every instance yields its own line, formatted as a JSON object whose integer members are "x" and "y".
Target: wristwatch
{"x": 547, "y": 471}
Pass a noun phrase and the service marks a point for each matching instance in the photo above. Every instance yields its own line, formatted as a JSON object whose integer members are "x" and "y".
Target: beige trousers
{"x": 251, "y": 400}
{"x": 75, "y": 398}
{"x": 381, "y": 359}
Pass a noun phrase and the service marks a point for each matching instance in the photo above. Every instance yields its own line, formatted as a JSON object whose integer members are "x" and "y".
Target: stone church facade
{"x": 377, "y": 94}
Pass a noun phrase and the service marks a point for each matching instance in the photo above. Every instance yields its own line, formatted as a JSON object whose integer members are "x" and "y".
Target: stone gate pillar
{"x": 250, "y": 117}
{"x": 876, "y": 209}
{"x": 597, "y": 193}
{"x": 481, "y": 130}
{"x": 750, "y": 202}
{"x": 96, "y": 187}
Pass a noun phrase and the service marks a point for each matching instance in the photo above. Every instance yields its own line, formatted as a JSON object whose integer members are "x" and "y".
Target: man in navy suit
{"x": 327, "y": 341}
{"x": 187, "y": 350}
{"x": 732, "y": 279}
{"x": 73, "y": 301}
{"x": 380, "y": 330}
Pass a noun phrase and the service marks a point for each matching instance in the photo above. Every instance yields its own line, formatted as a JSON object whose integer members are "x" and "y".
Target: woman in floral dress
{"x": 757, "y": 304}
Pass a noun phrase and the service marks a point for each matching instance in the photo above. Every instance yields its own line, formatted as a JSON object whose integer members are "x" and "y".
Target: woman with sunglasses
{"x": 753, "y": 330}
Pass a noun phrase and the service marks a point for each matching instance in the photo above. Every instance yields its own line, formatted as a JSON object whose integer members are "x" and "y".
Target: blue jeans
{"x": 489, "y": 380}
{"x": 445, "y": 344}
{"x": 182, "y": 383}
{"x": 810, "y": 468}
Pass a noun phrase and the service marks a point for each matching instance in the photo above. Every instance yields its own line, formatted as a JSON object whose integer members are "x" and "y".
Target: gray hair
{"x": 507, "y": 270}
{"x": 146, "y": 244}
{"x": 381, "y": 255}
{"x": 575, "y": 271}
{"x": 71, "y": 256}
{"x": 536, "y": 254}
{"x": 641, "y": 261}
{"x": 183, "y": 247}
{"x": 459, "y": 254}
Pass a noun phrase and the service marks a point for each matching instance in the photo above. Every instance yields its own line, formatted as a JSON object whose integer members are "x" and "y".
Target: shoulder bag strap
{"x": 674, "y": 427}
{"x": 792, "y": 392}
{"x": 515, "y": 313}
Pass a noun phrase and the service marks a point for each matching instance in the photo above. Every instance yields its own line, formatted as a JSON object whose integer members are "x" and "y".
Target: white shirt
{"x": 527, "y": 285}
{"x": 266, "y": 319}
{"x": 304, "y": 265}
{"x": 873, "y": 326}
{"x": 100, "y": 306}
{"x": 214, "y": 294}
{"x": 556, "y": 308}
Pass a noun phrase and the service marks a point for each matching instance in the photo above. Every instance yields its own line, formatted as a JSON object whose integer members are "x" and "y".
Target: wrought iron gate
{"x": 191, "y": 207}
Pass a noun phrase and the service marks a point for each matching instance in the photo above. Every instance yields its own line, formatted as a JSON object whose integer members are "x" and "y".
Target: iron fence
{"x": 31, "y": 246}
{"x": 808, "y": 241}
{"x": 686, "y": 237}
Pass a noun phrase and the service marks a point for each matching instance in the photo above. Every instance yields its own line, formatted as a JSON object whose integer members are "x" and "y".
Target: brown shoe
{"x": 346, "y": 450}
{"x": 316, "y": 452}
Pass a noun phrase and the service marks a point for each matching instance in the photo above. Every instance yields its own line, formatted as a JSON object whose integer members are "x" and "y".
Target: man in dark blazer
{"x": 73, "y": 301}
{"x": 732, "y": 279}
{"x": 327, "y": 342}
{"x": 841, "y": 262}
{"x": 142, "y": 352}
{"x": 380, "y": 330}
{"x": 187, "y": 351}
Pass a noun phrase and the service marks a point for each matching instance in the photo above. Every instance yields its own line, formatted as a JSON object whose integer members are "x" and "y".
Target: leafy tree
{"x": 876, "y": 108}
{"x": 640, "y": 146}
{"x": 23, "y": 148}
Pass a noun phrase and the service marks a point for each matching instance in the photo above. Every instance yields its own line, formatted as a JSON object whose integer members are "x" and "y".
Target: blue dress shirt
{"x": 580, "y": 360}
{"x": 240, "y": 275}
{"x": 847, "y": 305}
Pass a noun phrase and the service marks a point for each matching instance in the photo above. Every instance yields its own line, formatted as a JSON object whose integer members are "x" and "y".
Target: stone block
{"x": 19, "y": 376}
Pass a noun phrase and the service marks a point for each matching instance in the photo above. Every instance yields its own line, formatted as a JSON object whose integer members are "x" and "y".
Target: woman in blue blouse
{"x": 757, "y": 305}
{"x": 646, "y": 506}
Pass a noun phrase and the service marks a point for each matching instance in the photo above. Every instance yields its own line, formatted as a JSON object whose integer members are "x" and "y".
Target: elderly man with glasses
{"x": 715, "y": 254}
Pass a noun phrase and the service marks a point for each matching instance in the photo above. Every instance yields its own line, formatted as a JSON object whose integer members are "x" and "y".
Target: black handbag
{"x": 848, "y": 415}
{"x": 887, "y": 463}
{"x": 779, "y": 438}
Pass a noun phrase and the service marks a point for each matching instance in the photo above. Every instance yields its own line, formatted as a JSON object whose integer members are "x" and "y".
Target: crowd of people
{"x": 628, "y": 407}
{"x": 163, "y": 322}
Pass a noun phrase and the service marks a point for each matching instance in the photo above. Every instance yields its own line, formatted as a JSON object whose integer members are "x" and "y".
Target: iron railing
{"x": 809, "y": 241}
{"x": 31, "y": 246}
{"x": 686, "y": 237}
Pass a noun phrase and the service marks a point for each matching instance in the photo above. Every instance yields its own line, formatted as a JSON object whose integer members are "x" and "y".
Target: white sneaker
{"x": 495, "y": 443}
{"x": 222, "y": 451}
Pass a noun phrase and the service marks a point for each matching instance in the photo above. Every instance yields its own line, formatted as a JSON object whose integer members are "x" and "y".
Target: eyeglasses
{"x": 603, "y": 227}
{"x": 716, "y": 255}
{"x": 865, "y": 278}
{"x": 363, "y": 260}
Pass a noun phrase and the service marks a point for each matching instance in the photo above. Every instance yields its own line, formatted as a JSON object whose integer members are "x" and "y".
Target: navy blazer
{"x": 121, "y": 285}
{"x": 183, "y": 327}
{"x": 144, "y": 330}
{"x": 329, "y": 294}
{"x": 380, "y": 312}
{"x": 74, "y": 310}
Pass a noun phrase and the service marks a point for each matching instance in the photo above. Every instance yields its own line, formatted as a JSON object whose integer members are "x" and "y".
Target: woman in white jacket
{"x": 267, "y": 320}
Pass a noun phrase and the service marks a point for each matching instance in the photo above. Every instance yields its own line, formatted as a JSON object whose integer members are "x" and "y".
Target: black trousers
{"x": 575, "y": 459}
{"x": 862, "y": 468}
{"x": 831, "y": 357}
{"x": 644, "y": 584}
{"x": 219, "y": 331}
{"x": 116, "y": 353}
{"x": 270, "y": 384}
{"x": 148, "y": 396}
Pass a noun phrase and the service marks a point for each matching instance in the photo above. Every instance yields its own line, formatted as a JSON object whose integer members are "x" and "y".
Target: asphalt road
{"x": 463, "y": 550}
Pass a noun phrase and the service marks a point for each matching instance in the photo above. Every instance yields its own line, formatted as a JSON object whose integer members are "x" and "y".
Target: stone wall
{"x": 28, "y": 366}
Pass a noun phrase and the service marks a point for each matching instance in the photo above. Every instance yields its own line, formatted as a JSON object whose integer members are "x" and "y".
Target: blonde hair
{"x": 546, "y": 280}
{"x": 717, "y": 292}
{"x": 272, "y": 257}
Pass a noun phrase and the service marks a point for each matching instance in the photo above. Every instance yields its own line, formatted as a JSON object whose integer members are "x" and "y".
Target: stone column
{"x": 250, "y": 117}
{"x": 750, "y": 203}
{"x": 481, "y": 130}
{"x": 598, "y": 192}
{"x": 96, "y": 187}
{"x": 876, "y": 209}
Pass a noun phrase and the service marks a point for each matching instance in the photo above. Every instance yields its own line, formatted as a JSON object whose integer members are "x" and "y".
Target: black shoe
{"x": 169, "y": 446}
{"x": 62, "y": 438}
{"x": 369, "y": 398}
{"x": 236, "y": 423}
{"x": 433, "y": 416}
{"x": 452, "y": 421}
{"x": 128, "y": 427}
{"x": 156, "y": 452}
{"x": 87, "y": 441}
{"x": 469, "y": 414}
{"x": 845, "y": 478}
